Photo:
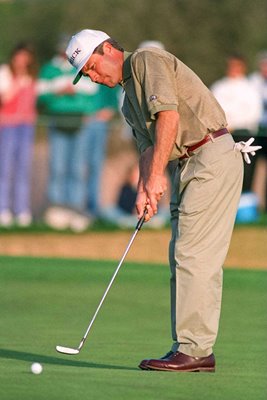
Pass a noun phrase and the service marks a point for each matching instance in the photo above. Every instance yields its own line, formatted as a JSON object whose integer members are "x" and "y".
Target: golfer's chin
{"x": 109, "y": 84}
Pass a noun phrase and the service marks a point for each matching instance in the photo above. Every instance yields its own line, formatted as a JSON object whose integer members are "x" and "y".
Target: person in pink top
{"x": 18, "y": 90}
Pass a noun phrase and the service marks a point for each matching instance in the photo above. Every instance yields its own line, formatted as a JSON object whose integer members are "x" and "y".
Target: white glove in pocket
{"x": 246, "y": 149}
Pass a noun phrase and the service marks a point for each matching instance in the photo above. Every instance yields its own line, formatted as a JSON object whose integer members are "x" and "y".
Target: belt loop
{"x": 186, "y": 153}
{"x": 211, "y": 137}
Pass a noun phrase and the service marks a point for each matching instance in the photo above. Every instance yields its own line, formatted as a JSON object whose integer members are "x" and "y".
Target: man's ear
{"x": 107, "y": 48}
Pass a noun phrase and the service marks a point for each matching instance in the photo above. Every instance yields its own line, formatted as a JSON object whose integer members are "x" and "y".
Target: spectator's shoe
{"x": 113, "y": 214}
{"x": 80, "y": 222}
{"x": 179, "y": 362}
{"x": 144, "y": 363}
{"x": 24, "y": 219}
{"x": 6, "y": 218}
{"x": 58, "y": 217}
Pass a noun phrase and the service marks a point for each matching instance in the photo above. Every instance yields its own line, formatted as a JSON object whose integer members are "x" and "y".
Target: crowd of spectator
{"x": 83, "y": 183}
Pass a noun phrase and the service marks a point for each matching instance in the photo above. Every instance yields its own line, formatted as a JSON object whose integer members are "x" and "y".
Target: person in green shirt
{"x": 77, "y": 119}
{"x": 100, "y": 111}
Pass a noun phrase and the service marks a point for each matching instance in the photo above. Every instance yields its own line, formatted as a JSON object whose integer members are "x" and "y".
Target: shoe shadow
{"x": 32, "y": 357}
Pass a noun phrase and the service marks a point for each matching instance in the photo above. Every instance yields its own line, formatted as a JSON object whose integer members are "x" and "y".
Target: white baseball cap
{"x": 81, "y": 47}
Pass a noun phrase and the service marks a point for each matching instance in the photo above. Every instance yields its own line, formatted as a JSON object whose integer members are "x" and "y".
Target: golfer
{"x": 173, "y": 115}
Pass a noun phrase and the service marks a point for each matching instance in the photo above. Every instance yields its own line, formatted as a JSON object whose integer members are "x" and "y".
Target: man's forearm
{"x": 145, "y": 166}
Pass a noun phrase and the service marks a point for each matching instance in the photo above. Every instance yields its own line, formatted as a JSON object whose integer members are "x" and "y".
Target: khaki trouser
{"x": 209, "y": 186}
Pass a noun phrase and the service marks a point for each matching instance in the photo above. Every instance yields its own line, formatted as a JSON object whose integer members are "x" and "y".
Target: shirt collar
{"x": 126, "y": 69}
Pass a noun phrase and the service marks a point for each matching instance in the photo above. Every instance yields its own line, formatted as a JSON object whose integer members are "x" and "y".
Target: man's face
{"x": 105, "y": 69}
{"x": 236, "y": 68}
{"x": 21, "y": 61}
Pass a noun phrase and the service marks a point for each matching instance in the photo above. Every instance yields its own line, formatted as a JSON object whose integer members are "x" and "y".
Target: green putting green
{"x": 49, "y": 302}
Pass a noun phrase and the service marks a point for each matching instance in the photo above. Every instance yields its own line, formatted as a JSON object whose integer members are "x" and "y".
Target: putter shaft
{"x": 71, "y": 351}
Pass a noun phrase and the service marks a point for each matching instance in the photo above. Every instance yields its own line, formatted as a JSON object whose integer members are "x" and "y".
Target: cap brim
{"x": 77, "y": 77}
{"x": 80, "y": 67}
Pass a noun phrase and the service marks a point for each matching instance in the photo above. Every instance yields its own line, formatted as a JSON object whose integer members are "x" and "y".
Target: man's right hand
{"x": 149, "y": 194}
{"x": 142, "y": 204}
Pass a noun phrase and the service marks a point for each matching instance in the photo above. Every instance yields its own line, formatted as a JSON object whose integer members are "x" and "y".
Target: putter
{"x": 73, "y": 351}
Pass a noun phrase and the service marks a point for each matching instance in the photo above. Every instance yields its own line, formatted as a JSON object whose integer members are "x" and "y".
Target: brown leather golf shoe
{"x": 143, "y": 363}
{"x": 179, "y": 362}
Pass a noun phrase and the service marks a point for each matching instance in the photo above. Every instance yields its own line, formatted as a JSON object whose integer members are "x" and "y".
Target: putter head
{"x": 67, "y": 350}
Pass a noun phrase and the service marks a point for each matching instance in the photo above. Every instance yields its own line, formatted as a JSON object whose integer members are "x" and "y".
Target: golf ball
{"x": 36, "y": 368}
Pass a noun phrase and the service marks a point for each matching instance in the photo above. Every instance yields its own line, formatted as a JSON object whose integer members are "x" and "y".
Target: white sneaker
{"x": 24, "y": 219}
{"x": 58, "y": 217}
{"x": 79, "y": 222}
{"x": 6, "y": 218}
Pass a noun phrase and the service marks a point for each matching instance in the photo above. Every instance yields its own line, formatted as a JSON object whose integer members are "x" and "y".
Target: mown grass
{"x": 45, "y": 302}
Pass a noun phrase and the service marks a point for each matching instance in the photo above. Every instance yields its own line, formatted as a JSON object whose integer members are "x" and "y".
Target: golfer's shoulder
{"x": 151, "y": 53}
{"x": 147, "y": 58}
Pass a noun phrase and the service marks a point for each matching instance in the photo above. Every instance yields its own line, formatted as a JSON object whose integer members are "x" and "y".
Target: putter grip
{"x": 140, "y": 222}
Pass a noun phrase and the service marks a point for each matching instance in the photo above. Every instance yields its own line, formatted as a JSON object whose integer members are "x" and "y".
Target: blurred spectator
{"x": 65, "y": 104}
{"x": 122, "y": 212}
{"x": 100, "y": 108}
{"x": 17, "y": 129}
{"x": 259, "y": 81}
{"x": 242, "y": 106}
{"x": 128, "y": 192}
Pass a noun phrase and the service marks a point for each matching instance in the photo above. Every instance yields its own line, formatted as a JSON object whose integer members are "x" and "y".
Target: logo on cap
{"x": 74, "y": 55}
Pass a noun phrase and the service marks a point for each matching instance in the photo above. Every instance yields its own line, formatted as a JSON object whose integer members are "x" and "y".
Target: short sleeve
{"x": 155, "y": 72}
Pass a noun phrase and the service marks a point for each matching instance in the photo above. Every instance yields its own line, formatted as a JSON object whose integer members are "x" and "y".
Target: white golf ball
{"x": 36, "y": 368}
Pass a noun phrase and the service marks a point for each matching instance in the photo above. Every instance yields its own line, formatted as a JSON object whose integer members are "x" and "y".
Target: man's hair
{"x": 32, "y": 66}
{"x": 113, "y": 42}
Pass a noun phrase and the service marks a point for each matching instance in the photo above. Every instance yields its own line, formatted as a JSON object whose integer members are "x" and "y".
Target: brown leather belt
{"x": 207, "y": 138}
